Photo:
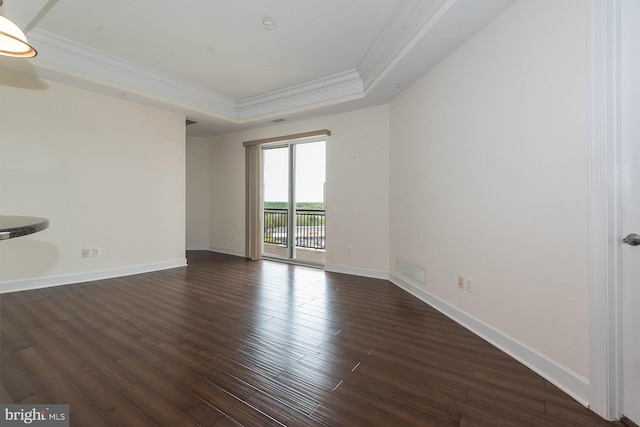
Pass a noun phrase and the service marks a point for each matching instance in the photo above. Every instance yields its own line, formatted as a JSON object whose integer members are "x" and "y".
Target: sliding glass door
{"x": 293, "y": 200}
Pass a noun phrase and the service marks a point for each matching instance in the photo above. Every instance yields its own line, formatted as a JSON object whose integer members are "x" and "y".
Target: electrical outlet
{"x": 349, "y": 249}
{"x": 97, "y": 251}
{"x": 461, "y": 282}
{"x": 467, "y": 284}
{"x": 85, "y": 252}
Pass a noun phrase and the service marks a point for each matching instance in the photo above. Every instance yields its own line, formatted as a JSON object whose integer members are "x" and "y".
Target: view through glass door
{"x": 293, "y": 200}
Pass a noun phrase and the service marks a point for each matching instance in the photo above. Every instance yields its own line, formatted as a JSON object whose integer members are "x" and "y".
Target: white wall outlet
{"x": 461, "y": 282}
{"x": 467, "y": 284}
{"x": 97, "y": 251}
{"x": 349, "y": 249}
{"x": 85, "y": 252}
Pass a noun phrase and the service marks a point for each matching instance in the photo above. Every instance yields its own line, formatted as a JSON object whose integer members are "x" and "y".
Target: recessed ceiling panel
{"x": 222, "y": 45}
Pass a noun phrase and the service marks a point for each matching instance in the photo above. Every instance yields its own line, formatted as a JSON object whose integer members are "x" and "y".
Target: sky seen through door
{"x": 310, "y": 173}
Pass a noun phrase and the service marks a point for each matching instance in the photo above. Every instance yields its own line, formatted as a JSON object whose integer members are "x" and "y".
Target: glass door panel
{"x": 275, "y": 201}
{"x": 309, "y": 179}
{"x": 294, "y": 202}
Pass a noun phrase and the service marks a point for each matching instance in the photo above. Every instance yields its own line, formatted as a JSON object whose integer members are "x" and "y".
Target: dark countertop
{"x": 16, "y": 226}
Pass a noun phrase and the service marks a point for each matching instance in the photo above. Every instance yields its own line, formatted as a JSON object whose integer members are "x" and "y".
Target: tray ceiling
{"x": 214, "y": 61}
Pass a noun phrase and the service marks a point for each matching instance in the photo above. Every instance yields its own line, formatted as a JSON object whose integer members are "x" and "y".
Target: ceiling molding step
{"x": 409, "y": 19}
{"x": 410, "y": 22}
{"x": 99, "y": 67}
{"x": 77, "y": 61}
{"x": 320, "y": 91}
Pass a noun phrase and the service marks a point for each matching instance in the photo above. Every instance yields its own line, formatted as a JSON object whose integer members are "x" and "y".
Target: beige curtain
{"x": 253, "y": 175}
{"x": 253, "y": 243}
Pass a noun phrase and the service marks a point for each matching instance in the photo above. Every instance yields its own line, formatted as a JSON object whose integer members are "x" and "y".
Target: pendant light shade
{"x": 13, "y": 42}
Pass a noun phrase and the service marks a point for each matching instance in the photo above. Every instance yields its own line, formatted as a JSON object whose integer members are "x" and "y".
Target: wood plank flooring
{"x": 228, "y": 342}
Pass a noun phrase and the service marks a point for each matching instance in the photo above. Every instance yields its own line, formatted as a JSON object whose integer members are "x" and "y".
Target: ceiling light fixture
{"x": 13, "y": 42}
{"x": 268, "y": 24}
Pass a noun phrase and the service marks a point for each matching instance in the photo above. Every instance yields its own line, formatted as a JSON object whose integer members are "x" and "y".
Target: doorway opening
{"x": 293, "y": 201}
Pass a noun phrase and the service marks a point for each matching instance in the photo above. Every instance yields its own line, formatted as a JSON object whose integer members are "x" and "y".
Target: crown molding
{"x": 74, "y": 61}
{"x": 320, "y": 91}
{"x": 80, "y": 61}
{"x": 409, "y": 20}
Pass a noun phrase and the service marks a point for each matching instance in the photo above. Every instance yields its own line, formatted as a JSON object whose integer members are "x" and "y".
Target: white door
{"x": 630, "y": 156}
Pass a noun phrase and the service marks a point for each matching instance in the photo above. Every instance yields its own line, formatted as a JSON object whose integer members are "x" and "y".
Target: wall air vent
{"x": 411, "y": 270}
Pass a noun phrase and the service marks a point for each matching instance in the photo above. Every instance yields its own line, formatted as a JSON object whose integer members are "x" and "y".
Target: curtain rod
{"x": 311, "y": 134}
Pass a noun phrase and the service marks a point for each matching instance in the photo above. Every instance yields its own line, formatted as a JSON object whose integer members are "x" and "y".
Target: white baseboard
{"x": 357, "y": 271}
{"x": 227, "y": 251}
{"x": 572, "y": 383}
{"x": 67, "y": 279}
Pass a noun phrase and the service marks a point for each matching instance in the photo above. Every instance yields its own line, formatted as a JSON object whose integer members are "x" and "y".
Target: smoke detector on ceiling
{"x": 268, "y": 24}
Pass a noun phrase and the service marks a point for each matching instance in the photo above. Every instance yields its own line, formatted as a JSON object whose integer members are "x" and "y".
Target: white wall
{"x": 227, "y": 195}
{"x": 489, "y": 179}
{"x": 106, "y": 172}
{"x": 357, "y": 188}
{"x": 198, "y": 192}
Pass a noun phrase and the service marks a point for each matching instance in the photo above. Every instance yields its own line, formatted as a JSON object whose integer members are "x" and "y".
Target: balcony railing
{"x": 309, "y": 228}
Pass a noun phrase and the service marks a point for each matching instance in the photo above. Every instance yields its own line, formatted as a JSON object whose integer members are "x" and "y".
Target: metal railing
{"x": 309, "y": 228}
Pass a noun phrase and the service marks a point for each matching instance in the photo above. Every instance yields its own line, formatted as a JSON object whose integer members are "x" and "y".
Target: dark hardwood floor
{"x": 227, "y": 342}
